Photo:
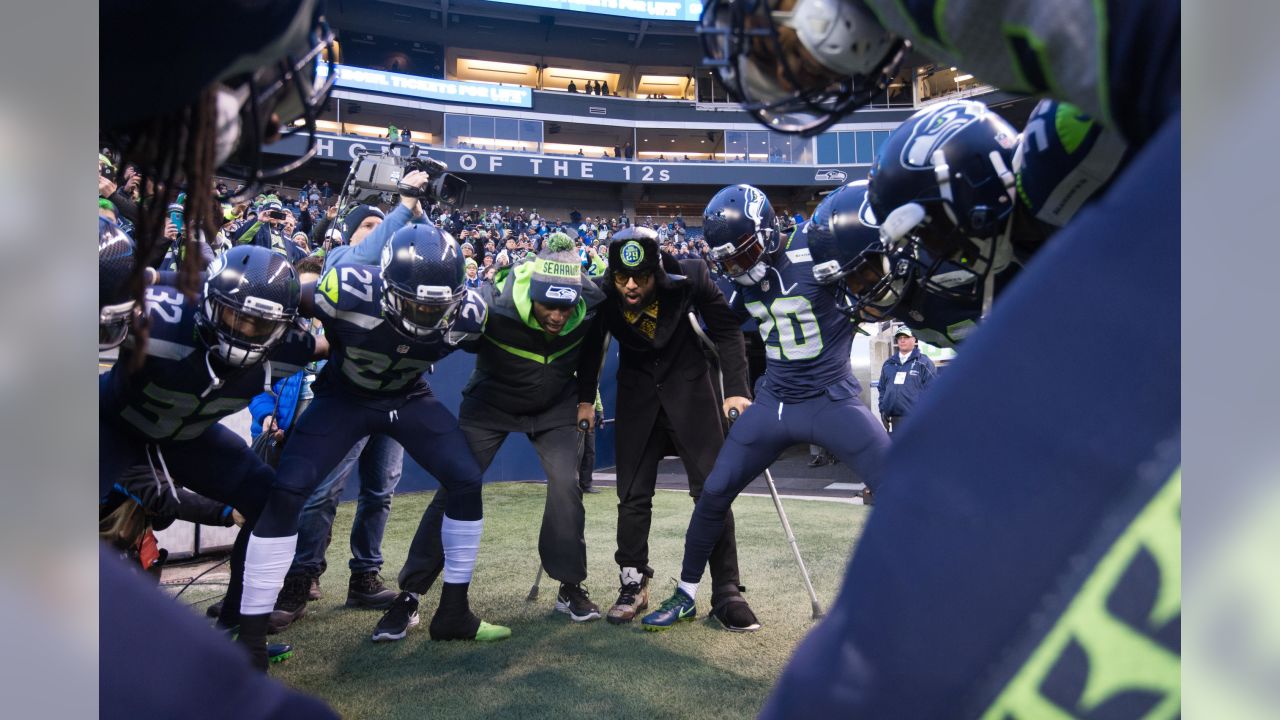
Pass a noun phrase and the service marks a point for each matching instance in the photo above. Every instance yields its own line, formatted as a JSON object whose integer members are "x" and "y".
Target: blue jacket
{"x": 896, "y": 399}
{"x": 289, "y": 390}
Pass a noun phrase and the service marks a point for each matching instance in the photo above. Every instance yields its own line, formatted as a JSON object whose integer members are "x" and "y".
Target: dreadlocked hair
{"x": 169, "y": 150}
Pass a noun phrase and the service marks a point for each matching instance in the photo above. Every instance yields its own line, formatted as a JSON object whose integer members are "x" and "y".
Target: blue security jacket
{"x": 897, "y": 400}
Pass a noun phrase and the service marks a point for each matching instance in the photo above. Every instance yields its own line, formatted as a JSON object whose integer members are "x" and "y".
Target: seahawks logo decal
{"x": 936, "y": 129}
{"x": 754, "y": 206}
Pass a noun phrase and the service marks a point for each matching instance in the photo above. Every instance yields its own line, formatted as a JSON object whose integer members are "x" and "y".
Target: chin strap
{"x": 215, "y": 382}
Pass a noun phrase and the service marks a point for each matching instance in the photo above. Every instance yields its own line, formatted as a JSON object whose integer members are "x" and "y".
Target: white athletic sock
{"x": 690, "y": 589}
{"x": 413, "y": 595}
{"x": 461, "y": 540}
{"x": 631, "y": 575}
{"x": 266, "y": 562}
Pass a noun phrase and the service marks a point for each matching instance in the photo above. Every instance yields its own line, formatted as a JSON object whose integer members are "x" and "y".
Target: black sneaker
{"x": 366, "y": 590}
{"x": 291, "y": 603}
{"x": 313, "y": 593}
{"x": 817, "y": 461}
{"x": 574, "y": 601}
{"x": 396, "y": 621}
{"x": 591, "y": 489}
{"x": 734, "y": 614}
{"x": 868, "y": 497}
{"x": 214, "y": 610}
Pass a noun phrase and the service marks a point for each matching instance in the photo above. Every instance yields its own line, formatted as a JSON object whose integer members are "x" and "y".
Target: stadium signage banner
{"x": 429, "y": 88}
{"x": 471, "y": 162}
{"x": 679, "y": 10}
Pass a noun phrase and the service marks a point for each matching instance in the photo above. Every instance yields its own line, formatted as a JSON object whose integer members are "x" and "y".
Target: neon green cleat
{"x": 492, "y": 633}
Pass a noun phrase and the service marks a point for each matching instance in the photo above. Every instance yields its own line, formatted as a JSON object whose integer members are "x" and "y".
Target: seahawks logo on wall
{"x": 932, "y": 132}
{"x": 632, "y": 254}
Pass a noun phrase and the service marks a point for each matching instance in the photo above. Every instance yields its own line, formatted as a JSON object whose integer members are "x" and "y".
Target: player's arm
{"x": 724, "y": 328}
{"x": 369, "y": 251}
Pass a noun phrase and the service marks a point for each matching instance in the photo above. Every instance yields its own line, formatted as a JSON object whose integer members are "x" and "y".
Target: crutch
{"x": 768, "y": 476}
{"x": 533, "y": 591}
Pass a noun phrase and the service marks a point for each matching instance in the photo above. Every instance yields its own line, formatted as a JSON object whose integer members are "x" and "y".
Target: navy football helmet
{"x": 844, "y": 241}
{"x": 116, "y": 305}
{"x": 798, "y": 66}
{"x": 740, "y": 228}
{"x": 944, "y": 180}
{"x": 423, "y": 280}
{"x": 250, "y": 299}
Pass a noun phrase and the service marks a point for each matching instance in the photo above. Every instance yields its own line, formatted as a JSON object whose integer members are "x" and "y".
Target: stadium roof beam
{"x": 444, "y": 14}
{"x": 644, "y": 27}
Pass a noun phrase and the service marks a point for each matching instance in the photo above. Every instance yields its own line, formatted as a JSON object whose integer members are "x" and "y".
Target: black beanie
{"x": 354, "y": 218}
{"x": 633, "y": 250}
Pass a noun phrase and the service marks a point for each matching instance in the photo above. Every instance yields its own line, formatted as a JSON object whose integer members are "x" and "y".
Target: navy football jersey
{"x": 181, "y": 390}
{"x": 367, "y": 356}
{"x": 806, "y": 338}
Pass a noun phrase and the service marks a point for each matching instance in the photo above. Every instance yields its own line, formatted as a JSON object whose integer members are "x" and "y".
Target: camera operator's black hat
{"x": 633, "y": 250}
{"x": 354, "y": 218}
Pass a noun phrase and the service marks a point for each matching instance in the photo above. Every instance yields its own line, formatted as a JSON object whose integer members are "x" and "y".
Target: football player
{"x": 116, "y": 306}
{"x": 386, "y": 325}
{"x": 1039, "y": 533}
{"x": 808, "y": 393}
{"x": 206, "y": 359}
{"x": 952, "y": 161}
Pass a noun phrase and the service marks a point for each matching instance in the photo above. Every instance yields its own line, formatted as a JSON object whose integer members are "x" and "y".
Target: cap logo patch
{"x": 632, "y": 253}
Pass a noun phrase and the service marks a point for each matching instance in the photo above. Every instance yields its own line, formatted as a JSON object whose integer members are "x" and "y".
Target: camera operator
{"x": 364, "y": 220}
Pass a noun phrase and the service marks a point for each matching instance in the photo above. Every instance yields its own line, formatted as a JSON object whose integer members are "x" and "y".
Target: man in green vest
{"x": 527, "y": 381}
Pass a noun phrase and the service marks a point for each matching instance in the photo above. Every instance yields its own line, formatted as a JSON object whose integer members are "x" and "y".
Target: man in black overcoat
{"x": 668, "y": 403}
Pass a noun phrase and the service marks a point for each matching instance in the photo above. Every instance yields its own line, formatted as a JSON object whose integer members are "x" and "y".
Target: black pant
{"x": 636, "y": 481}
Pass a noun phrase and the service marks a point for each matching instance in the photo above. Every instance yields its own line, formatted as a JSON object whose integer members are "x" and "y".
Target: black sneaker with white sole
{"x": 574, "y": 601}
{"x": 734, "y": 614}
{"x": 396, "y": 621}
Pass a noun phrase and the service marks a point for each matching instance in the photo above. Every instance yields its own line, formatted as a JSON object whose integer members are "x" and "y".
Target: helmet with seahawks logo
{"x": 423, "y": 280}
{"x": 844, "y": 241}
{"x": 250, "y": 299}
{"x": 944, "y": 181}
{"x": 741, "y": 230}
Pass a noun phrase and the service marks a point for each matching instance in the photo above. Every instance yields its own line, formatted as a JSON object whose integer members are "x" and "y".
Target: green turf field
{"x": 551, "y": 667}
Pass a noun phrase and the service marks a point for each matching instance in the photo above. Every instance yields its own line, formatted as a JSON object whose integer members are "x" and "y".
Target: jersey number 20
{"x": 798, "y": 335}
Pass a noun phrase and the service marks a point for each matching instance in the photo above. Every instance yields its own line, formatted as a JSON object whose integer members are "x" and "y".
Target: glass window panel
{"x": 862, "y": 140}
{"x": 780, "y": 147}
{"x": 880, "y": 137}
{"x": 802, "y": 151}
{"x": 531, "y": 135}
{"x": 846, "y": 148}
{"x": 758, "y": 142}
{"x": 506, "y": 129}
{"x": 482, "y": 132}
{"x": 828, "y": 151}
{"x": 735, "y": 143}
{"x": 456, "y": 127}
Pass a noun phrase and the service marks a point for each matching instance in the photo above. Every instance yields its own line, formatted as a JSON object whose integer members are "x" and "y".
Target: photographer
{"x": 367, "y": 222}
{"x": 264, "y": 227}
